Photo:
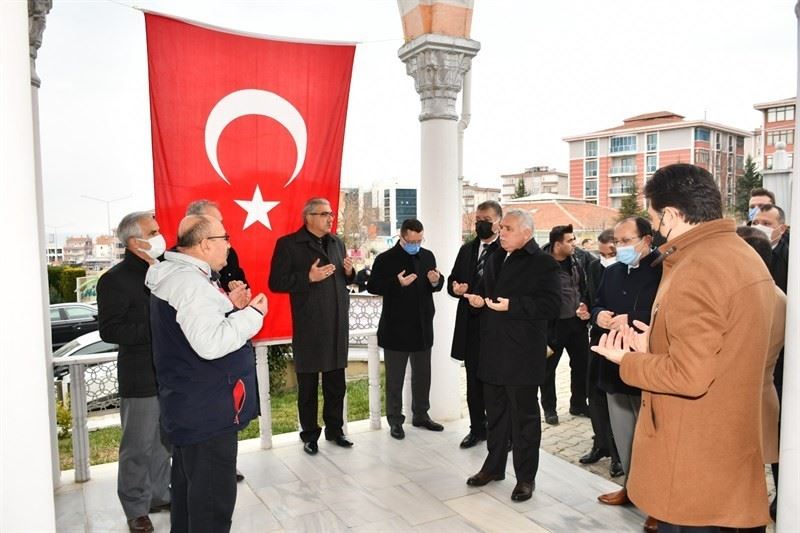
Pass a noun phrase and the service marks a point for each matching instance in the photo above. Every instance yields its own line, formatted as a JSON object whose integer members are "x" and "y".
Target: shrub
{"x": 63, "y": 419}
{"x": 277, "y": 357}
{"x": 67, "y": 283}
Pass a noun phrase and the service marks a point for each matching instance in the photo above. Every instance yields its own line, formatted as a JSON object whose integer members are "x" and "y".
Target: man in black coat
{"x": 123, "y": 304}
{"x": 626, "y": 293}
{"x": 406, "y": 276}
{"x": 311, "y": 264}
{"x": 467, "y": 272}
{"x": 518, "y": 294}
{"x": 569, "y": 331}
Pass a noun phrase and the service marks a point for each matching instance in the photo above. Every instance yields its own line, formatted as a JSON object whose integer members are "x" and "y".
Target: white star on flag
{"x": 257, "y": 209}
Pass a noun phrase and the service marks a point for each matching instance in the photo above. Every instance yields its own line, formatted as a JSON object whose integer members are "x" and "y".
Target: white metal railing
{"x": 365, "y": 311}
{"x": 620, "y": 170}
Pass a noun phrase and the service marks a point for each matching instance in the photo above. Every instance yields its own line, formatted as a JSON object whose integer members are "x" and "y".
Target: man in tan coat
{"x": 697, "y": 459}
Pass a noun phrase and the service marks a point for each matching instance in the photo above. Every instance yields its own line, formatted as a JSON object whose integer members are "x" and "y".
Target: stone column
{"x": 438, "y": 64}
{"x": 789, "y": 483}
{"x": 26, "y": 458}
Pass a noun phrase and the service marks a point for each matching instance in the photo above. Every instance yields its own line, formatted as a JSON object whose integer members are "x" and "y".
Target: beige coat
{"x": 770, "y": 408}
{"x": 697, "y": 447}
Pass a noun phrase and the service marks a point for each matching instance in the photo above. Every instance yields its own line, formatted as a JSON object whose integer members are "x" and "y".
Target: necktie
{"x": 481, "y": 260}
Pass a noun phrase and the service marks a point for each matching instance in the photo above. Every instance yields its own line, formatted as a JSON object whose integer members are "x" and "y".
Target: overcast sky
{"x": 546, "y": 70}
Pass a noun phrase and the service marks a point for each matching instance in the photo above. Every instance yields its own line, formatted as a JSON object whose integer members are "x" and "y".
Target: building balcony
{"x": 620, "y": 190}
{"x": 622, "y": 170}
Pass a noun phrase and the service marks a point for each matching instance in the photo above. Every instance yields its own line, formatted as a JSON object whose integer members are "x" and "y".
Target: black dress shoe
{"x": 471, "y": 440}
{"x": 482, "y": 478}
{"x": 428, "y": 424}
{"x": 239, "y": 477}
{"x": 551, "y": 418}
{"x": 342, "y": 441}
{"x": 396, "y": 431}
{"x": 615, "y": 470}
{"x": 523, "y": 491}
{"x": 311, "y": 448}
{"x": 141, "y": 524}
{"x": 594, "y": 455}
{"x": 160, "y": 507}
{"x": 579, "y": 411}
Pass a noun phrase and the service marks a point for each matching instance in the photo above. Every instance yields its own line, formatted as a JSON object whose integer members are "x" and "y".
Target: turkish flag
{"x": 254, "y": 124}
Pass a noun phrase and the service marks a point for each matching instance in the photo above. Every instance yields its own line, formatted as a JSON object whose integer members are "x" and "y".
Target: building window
{"x": 591, "y": 148}
{"x": 769, "y": 162}
{"x": 739, "y": 141}
{"x": 739, "y": 162}
{"x": 652, "y": 142}
{"x": 730, "y": 164}
{"x": 702, "y": 134}
{"x": 785, "y": 136}
{"x": 652, "y": 163}
{"x": 718, "y": 140}
{"x": 730, "y": 143}
{"x": 623, "y": 144}
{"x": 590, "y": 189}
{"x": 778, "y": 114}
{"x": 590, "y": 168}
{"x": 701, "y": 157}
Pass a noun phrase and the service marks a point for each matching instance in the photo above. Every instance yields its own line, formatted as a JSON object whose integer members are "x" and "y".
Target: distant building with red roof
{"x": 548, "y": 210}
{"x": 605, "y": 164}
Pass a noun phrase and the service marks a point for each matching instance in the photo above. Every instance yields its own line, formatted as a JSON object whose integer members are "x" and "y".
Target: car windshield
{"x": 64, "y": 350}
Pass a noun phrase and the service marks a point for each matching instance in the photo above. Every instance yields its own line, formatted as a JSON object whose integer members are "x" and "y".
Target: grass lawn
{"x": 104, "y": 443}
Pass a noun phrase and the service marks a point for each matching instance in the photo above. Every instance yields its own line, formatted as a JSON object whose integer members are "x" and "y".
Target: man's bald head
{"x": 193, "y": 229}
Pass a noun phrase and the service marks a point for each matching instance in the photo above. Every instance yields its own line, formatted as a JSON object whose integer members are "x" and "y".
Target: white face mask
{"x": 607, "y": 261}
{"x": 766, "y": 230}
{"x": 157, "y": 246}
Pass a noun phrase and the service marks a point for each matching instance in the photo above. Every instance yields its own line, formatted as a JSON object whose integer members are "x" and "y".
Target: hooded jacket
{"x": 201, "y": 351}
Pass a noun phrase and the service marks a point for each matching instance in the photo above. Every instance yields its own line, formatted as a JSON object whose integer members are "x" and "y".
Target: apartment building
{"x": 777, "y": 125}
{"x": 606, "y": 165}
{"x": 536, "y": 180}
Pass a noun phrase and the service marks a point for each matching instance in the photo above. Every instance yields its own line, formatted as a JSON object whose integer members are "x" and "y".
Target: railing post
{"x": 374, "y": 373}
{"x": 262, "y": 373}
{"x": 80, "y": 429}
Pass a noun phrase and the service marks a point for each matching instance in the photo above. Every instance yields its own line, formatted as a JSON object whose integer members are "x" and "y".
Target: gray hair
{"x": 199, "y": 229}
{"x": 198, "y": 207}
{"x": 129, "y": 225}
{"x": 523, "y": 216}
{"x": 311, "y": 204}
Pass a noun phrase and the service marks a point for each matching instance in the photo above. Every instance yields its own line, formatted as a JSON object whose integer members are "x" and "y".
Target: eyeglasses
{"x": 226, "y": 237}
{"x": 626, "y": 241}
{"x": 323, "y": 214}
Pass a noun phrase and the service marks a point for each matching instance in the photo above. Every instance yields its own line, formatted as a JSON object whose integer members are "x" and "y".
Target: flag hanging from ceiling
{"x": 254, "y": 124}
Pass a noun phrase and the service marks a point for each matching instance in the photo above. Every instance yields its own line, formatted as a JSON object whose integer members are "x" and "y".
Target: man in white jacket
{"x": 205, "y": 370}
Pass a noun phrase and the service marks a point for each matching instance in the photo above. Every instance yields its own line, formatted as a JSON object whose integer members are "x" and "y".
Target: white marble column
{"x": 438, "y": 64}
{"x": 26, "y": 459}
{"x": 789, "y": 483}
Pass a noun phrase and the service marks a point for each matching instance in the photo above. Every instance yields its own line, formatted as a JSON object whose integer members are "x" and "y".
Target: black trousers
{"x": 395, "y": 363}
{"x": 203, "y": 483}
{"x": 333, "y": 391}
{"x": 601, "y": 423}
{"x": 570, "y": 334}
{"x": 475, "y": 401}
{"x": 513, "y": 413}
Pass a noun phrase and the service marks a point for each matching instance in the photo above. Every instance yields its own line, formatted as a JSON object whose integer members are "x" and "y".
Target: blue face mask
{"x": 752, "y": 213}
{"x": 628, "y": 255}
{"x": 411, "y": 248}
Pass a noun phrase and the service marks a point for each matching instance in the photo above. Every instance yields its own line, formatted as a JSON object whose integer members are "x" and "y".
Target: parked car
{"x": 71, "y": 320}
{"x": 102, "y": 389}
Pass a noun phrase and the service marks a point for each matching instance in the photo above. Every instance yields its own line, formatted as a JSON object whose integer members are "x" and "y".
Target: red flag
{"x": 254, "y": 124}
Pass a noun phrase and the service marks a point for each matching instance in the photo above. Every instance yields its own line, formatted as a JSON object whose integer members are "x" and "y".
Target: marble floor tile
{"x": 322, "y": 521}
{"x": 263, "y": 468}
{"x": 489, "y": 515}
{"x": 452, "y": 524}
{"x": 413, "y": 503}
{"x": 310, "y": 468}
{"x": 353, "y": 503}
{"x": 392, "y": 524}
{"x": 444, "y": 482}
{"x": 247, "y": 519}
{"x": 290, "y": 500}
{"x": 70, "y": 513}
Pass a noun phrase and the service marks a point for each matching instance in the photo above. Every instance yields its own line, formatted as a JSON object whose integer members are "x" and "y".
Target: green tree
{"x": 520, "y": 191}
{"x": 630, "y": 206}
{"x": 751, "y": 179}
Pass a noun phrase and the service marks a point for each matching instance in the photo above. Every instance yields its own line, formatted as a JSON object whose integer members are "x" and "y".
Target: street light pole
{"x": 108, "y": 207}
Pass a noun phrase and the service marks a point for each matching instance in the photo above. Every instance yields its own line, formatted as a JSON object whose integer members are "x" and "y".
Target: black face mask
{"x": 484, "y": 229}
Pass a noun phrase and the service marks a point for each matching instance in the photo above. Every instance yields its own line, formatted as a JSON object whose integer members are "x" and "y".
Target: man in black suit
{"x": 312, "y": 266}
{"x": 467, "y": 272}
{"x": 518, "y": 294}
{"x": 406, "y": 276}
